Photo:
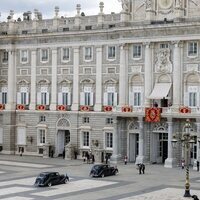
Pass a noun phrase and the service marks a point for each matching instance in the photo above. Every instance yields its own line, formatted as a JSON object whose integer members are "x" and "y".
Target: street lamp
{"x": 187, "y": 140}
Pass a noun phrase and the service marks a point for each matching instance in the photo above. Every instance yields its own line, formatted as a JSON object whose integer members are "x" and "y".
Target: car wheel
{"x": 102, "y": 175}
{"x": 66, "y": 180}
{"x": 49, "y": 184}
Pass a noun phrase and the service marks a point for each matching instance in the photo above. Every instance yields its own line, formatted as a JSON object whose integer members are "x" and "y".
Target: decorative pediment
{"x": 192, "y": 77}
{"x": 88, "y": 80}
{"x": 63, "y": 123}
{"x": 3, "y": 82}
{"x": 160, "y": 127}
{"x": 65, "y": 81}
{"x": 23, "y": 82}
{"x": 44, "y": 82}
{"x": 133, "y": 126}
{"x": 110, "y": 81}
{"x": 136, "y": 78}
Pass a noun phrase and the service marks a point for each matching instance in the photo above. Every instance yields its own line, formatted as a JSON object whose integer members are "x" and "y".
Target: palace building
{"x": 119, "y": 84}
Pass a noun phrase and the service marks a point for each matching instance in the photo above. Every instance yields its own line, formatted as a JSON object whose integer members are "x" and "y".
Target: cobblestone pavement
{"x": 17, "y": 175}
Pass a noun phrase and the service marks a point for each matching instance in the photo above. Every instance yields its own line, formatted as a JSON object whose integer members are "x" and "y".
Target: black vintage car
{"x": 102, "y": 170}
{"x": 50, "y": 178}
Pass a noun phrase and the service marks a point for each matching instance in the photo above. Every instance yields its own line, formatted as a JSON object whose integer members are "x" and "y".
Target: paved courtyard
{"x": 17, "y": 176}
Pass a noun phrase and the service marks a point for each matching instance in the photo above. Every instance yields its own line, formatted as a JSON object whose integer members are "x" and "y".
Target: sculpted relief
{"x": 163, "y": 63}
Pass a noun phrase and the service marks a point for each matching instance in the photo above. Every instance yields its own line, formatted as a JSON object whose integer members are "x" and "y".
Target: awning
{"x": 160, "y": 91}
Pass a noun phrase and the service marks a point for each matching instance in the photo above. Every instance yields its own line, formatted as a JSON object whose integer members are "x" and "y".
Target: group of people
{"x": 88, "y": 157}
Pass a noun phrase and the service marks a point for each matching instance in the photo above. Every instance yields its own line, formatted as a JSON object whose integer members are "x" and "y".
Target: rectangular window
{"x": 88, "y": 28}
{"x": 88, "y": 53}
{"x": 24, "y": 56}
{"x": 137, "y": 98}
{"x": 164, "y": 46}
{"x": 64, "y": 98}
{"x": 87, "y": 98}
{"x": 44, "y": 55}
{"x": 86, "y": 138}
{"x": 42, "y": 118}
{"x": 137, "y": 51}
{"x": 65, "y": 54}
{"x": 192, "y": 99}
{"x": 42, "y": 137}
{"x": 110, "y": 98}
{"x": 23, "y": 98}
{"x": 111, "y": 52}
{"x": 86, "y": 120}
{"x": 4, "y": 97}
{"x": 5, "y": 57}
{"x": 192, "y": 49}
{"x": 109, "y": 120}
{"x": 43, "y": 98}
{"x": 109, "y": 140}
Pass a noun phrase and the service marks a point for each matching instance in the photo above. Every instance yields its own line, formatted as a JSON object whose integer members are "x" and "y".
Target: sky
{"x": 46, "y": 7}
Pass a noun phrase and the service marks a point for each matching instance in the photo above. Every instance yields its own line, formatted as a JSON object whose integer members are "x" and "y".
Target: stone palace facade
{"x": 83, "y": 83}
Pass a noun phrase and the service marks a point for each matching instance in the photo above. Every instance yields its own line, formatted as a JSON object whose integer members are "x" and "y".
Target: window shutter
{"x": 115, "y": 99}
{"x": 47, "y": 103}
{"x": 19, "y": 98}
{"x": 186, "y": 99}
{"x": 27, "y": 98}
{"x": 60, "y": 101}
{"x": 142, "y": 98}
{"x": 131, "y": 98}
{"x": 82, "y": 99}
{"x": 38, "y": 98}
{"x": 198, "y": 99}
{"x": 1, "y": 135}
{"x": 1, "y": 98}
{"x": 69, "y": 99}
{"x": 91, "y": 99}
{"x": 105, "y": 99}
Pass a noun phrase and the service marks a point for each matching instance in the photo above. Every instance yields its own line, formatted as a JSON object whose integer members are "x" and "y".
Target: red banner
{"x": 107, "y": 108}
{"x": 61, "y": 107}
{"x": 20, "y": 107}
{"x": 2, "y": 106}
{"x": 41, "y": 107}
{"x": 84, "y": 108}
{"x": 152, "y": 114}
{"x": 126, "y": 109}
{"x": 184, "y": 110}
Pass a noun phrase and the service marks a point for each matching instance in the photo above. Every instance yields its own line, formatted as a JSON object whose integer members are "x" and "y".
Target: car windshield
{"x": 97, "y": 167}
{"x": 42, "y": 175}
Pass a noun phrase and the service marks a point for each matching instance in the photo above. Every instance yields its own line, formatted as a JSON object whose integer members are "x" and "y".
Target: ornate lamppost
{"x": 187, "y": 141}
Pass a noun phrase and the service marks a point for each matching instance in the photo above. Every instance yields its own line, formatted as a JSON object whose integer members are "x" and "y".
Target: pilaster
{"x": 123, "y": 76}
{"x": 148, "y": 73}
{"x": 140, "y": 157}
{"x": 33, "y": 80}
{"x": 75, "y": 102}
{"x": 115, "y": 158}
{"x": 54, "y": 80}
{"x": 98, "y": 105}
{"x": 170, "y": 161}
{"x": 177, "y": 74}
{"x": 11, "y": 104}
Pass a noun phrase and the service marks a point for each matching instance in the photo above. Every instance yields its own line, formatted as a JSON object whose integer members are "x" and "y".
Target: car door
{"x": 56, "y": 178}
{"x": 106, "y": 170}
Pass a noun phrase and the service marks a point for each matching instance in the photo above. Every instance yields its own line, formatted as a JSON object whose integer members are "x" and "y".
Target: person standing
{"x": 106, "y": 158}
{"x": 182, "y": 163}
{"x": 63, "y": 153}
{"x": 143, "y": 168}
{"x": 125, "y": 159}
{"x": 197, "y": 165}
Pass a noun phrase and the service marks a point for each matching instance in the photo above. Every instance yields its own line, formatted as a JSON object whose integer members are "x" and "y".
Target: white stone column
{"x": 177, "y": 75}
{"x": 198, "y": 138}
{"x": 148, "y": 74}
{"x": 76, "y": 92}
{"x": 115, "y": 155}
{"x": 123, "y": 77}
{"x": 11, "y": 104}
{"x": 33, "y": 80}
{"x": 54, "y": 80}
{"x": 98, "y": 92}
{"x": 140, "y": 157}
{"x": 170, "y": 162}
